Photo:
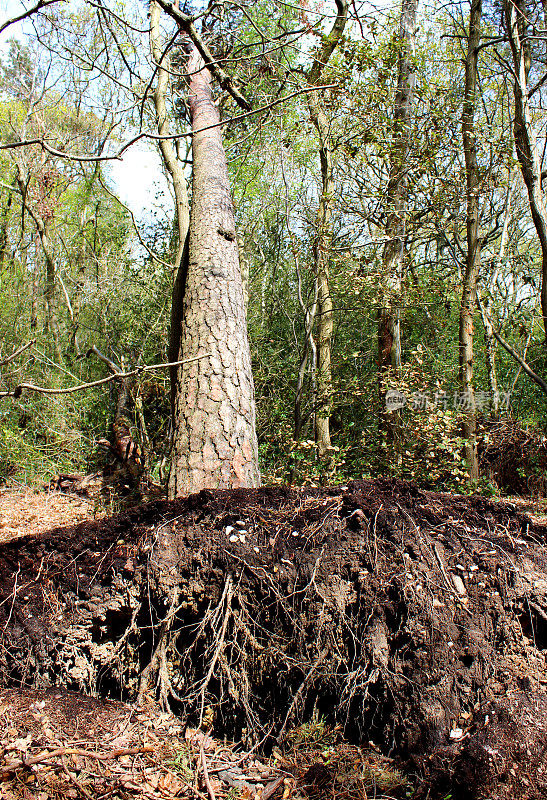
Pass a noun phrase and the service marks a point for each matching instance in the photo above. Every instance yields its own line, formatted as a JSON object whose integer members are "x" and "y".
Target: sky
{"x": 139, "y": 182}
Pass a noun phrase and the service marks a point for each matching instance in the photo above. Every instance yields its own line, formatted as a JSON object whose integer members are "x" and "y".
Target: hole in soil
{"x": 534, "y": 626}
{"x": 111, "y": 627}
{"x": 467, "y": 660}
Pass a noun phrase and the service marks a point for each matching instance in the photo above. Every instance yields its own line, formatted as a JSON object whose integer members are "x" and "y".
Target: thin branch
{"x": 135, "y": 226}
{"x": 186, "y": 24}
{"x": 114, "y": 368}
{"x": 156, "y": 137}
{"x": 17, "y": 352}
{"x": 330, "y": 42}
{"x": 29, "y": 387}
{"x": 512, "y": 352}
{"x": 39, "y": 5}
{"x": 119, "y": 19}
{"x": 537, "y": 85}
{"x": 206, "y": 778}
{"x": 48, "y": 755}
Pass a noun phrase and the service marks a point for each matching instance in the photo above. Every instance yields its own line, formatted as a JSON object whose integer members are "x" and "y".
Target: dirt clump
{"x": 414, "y": 620}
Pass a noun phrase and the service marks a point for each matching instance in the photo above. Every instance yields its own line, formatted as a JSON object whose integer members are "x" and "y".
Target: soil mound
{"x": 413, "y": 620}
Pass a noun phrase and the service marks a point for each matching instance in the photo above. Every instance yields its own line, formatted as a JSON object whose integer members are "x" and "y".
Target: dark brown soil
{"x": 414, "y": 620}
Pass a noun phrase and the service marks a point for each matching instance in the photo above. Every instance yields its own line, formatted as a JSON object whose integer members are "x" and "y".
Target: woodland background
{"x": 76, "y": 274}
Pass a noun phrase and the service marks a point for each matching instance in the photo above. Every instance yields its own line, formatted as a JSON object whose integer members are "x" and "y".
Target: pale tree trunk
{"x": 51, "y": 321}
{"x": 322, "y": 253}
{"x": 484, "y": 308}
{"x": 215, "y": 442}
{"x": 309, "y": 349}
{"x": 490, "y": 343}
{"x": 85, "y": 218}
{"x": 323, "y": 239}
{"x": 82, "y": 254}
{"x": 525, "y": 136}
{"x": 175, "y": 169}
{"x": 389, "y": 315}
{"x": 474, "y": 241}
{"x": 244, "y": 262}
{"x": 35, "y": 285}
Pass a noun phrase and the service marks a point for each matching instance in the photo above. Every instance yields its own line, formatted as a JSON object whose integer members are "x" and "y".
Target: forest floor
{"x": 29, "y": 512}
{"x": 429, "y": 608}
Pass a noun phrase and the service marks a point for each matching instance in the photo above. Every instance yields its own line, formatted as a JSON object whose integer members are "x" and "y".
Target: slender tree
{"x": 474, "y": 241}
{"x": 175, "y": 169}
{"x": 516, "y": 22}
{"x": 323, "y": 235}
{"x": 389, "y": 315}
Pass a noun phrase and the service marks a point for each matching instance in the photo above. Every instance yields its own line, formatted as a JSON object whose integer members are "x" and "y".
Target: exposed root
{"x": 409, "y": 618}
{"x": 156, "y": 673}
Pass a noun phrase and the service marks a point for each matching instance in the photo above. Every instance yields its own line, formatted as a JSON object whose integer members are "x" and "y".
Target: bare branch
{"x": 186, "y": 24}
{"x": 17, "y": 352}
{"x": 512, "y": 352}
{"x": 30, "y": 387}
{"x": 136, "y": 228}
{"x": 39, "y": 5}
{"x": 114, "y": 368}
{"x": 156, "y": 137}
{"x": 206, "y": 778}
{"x": 330, "y": 42}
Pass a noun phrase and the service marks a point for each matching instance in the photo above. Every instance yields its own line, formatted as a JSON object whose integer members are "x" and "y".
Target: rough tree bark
{"x": 215, "y": 438}
{"x": 524, "y": 134}
{"x": 474, "y": 241}
{"x": 389, "y": 315}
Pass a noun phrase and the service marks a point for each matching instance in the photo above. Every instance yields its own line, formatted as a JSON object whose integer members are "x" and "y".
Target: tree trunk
{"x": 244, "y": 265}
{"x": 389, "y": 315}
{"x": 322, "y": 250}
{"x": 215, "y": 438}
{"x": 125, "y": 450}
{"x": 474, "y": 242}
{"x": 51, "y": 321}
{"x": 176, "y": 171}
{"x": 490, "y": 342}
{"x": 323, "y": 239}
{"x": 4, "y": 224}
{"x": 525, "y": 138}
{"x": 484, "y": 308}
{"x": 310, "y": 348}
{"x": 35, "y": 285}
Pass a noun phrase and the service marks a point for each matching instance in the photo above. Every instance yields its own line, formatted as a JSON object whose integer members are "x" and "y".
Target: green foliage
{"x": 183, "y": 763}
{"x": 313, "y": 734}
